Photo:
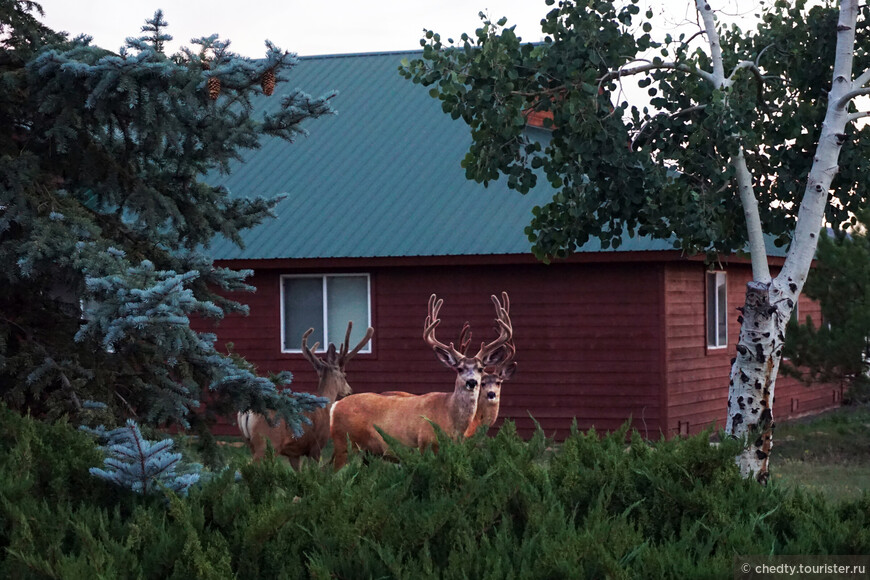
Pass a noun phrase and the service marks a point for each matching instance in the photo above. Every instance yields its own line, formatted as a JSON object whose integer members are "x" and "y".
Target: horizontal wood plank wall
{"x": 698, "y": 376}
{"x": 588, "y": 338}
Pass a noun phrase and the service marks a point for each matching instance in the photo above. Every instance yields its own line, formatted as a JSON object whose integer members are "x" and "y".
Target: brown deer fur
{"x": 332, "y": 385}
{"x": 490, "y": 388}
{"x": 490, "y": 397}
{"x": 407, "y": 417}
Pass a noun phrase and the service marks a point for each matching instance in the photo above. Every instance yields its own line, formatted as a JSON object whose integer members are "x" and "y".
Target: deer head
{"x": 490, "y": 389}
{"x": 469, "y": 369}
{"x": 331, "y": 369}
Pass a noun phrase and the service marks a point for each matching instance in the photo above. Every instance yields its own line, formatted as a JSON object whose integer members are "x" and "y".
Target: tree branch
{"x": 856, "y": 116}
{"x": 742, "y": 65}
{"x": 863, "y": 79}
{"x": 757, "y": 251}
{"x": 67, "y": 385}
{"x": 815, "y": 198}
{"x": 753, "y": 67}
{"x": 126, "y": 404}
{"x": 755, "y": 233}
{"x": 841, "y": 104}
{"x": 694, "y": 36}
{"x": 646, "y": 125}
{"x": 760, "y": 54}
{"x": 713, "y": 38}
{"x": 656, "y": 66}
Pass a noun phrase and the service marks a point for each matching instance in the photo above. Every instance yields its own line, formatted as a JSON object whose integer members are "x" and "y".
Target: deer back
{"x": 332, "y": 385}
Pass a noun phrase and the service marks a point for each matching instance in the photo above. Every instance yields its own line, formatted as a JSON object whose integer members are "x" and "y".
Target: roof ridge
{"x": 360, "y": 54}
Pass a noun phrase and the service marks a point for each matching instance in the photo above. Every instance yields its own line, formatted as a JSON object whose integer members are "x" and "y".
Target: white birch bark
{"x": 769, "y": 303}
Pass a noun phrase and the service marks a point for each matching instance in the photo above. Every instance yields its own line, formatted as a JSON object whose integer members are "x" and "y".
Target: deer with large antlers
{"x": 408, "y": 418}
{"x": 489, "y": 400}
{"x": 332, "y": 385}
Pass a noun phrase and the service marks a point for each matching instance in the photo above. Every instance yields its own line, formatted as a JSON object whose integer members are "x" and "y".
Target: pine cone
{"x": 268, "y": 82}
{"x": 214, "y": 88}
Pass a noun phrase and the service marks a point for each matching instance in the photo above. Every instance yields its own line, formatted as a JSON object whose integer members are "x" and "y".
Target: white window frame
{"x": 367, "y": 349}
{"x": 713, "y": 341}
{"x": 796, "y": 313}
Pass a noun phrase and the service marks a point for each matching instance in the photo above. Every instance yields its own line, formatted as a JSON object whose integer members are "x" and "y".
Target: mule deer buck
{"x": 332, "y": 385}
{"x": 489, "y": 400}
{"x": 406, "y": 417}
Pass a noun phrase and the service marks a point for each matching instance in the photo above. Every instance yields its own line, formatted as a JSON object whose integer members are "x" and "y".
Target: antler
{"x": 505, "y": 328}
{"x": 433, "y": 321}
{"x": 510, "y": 346}
{"x": 464, "y": 338}
{"x": 309, "y": 353}
{"x": 343, "y": 355}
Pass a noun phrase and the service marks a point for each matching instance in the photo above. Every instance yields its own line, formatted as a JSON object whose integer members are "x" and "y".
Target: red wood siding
{"x": 697, "y": 376}
{"x": 588, "y": 336}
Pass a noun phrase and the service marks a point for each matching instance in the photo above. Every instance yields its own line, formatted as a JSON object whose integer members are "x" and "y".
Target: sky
{"x": 309, "y": 28}
{"x": 306, "y": 28}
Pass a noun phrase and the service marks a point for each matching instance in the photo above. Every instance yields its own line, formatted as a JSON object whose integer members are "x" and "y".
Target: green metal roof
{"x": 381, "y": 178}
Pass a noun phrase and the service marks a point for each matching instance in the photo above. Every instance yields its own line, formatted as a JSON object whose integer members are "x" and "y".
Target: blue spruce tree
{"x": 105, "y": 217}
{"x": 142, "y": 465}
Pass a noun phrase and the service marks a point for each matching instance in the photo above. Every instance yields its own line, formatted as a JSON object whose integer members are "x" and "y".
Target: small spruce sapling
{"x": 141, "y": 465}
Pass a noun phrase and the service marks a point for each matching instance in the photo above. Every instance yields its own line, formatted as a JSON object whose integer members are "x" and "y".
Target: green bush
{"x": 593, "y": 506}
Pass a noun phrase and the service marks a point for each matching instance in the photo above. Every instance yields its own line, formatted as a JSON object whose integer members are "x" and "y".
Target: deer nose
{"x": 470, "y": 384}
{"x": 491, "y": 395}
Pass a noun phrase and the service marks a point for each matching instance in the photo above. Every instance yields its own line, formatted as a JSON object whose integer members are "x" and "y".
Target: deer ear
{"x": 496, "y": 357}
{"x": 445, "y": 356}
{"x": 507, "y": 373}
{"x": 330, "y": 354}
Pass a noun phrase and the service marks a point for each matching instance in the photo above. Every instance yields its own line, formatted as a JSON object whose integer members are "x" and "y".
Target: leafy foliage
{"x": 837, "y": 351}
{"x": 106, "y": 216}
{"x": 487, "y": 507}
{"x": 660, "y": 168}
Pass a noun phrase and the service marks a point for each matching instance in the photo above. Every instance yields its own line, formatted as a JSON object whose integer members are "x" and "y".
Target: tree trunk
{"x": 769, "y": 305}
{"x": 753, "y": 374}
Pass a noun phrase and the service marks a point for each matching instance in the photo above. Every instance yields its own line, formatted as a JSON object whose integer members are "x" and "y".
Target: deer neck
{"x": 463, "y": 406}
{"x": 487, "y": 411}
{"x": 331, "y": 384}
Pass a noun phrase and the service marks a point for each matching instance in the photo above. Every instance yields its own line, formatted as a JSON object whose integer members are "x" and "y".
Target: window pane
{"x": 711, "y": 309}
{"x": 722, "y": 306}
{"x": 303, "y": 309}
{"x": 347, "y": 299}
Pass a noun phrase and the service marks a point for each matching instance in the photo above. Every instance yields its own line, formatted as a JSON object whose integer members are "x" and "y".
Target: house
{"x": 379, "y": 215}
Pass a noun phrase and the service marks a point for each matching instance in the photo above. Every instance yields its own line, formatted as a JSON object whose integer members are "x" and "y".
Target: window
{"x": 325, "y": 303}
{"x": 717, "y": 309}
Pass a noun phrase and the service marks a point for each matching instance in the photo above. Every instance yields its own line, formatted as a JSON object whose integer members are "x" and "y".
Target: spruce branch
{"x": 141, "y": 465}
